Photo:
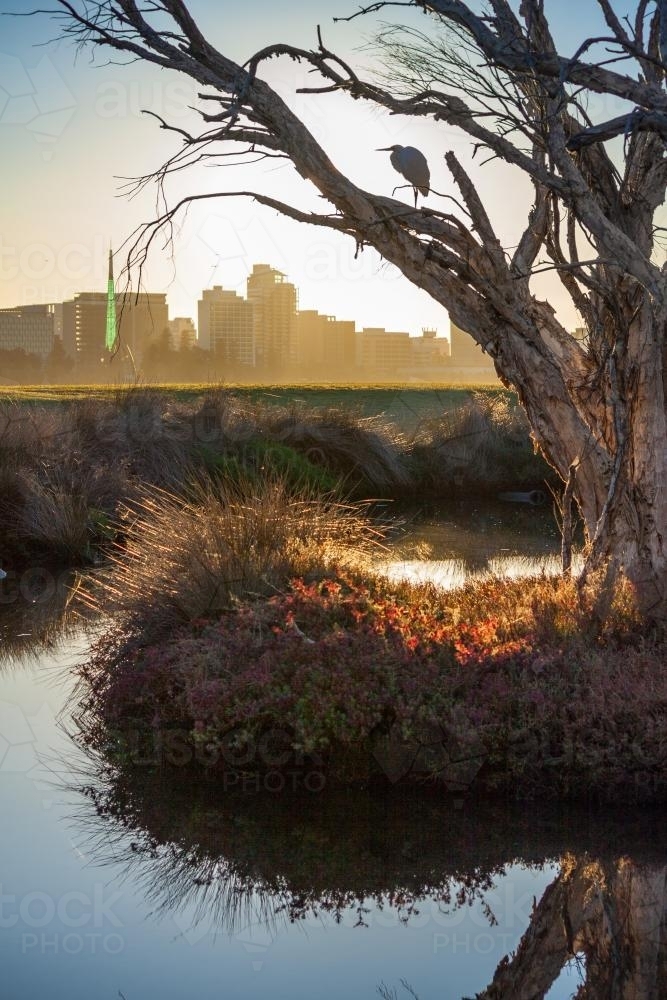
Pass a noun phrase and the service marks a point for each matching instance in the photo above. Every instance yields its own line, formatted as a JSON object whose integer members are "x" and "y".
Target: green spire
{"x": 112, "y": 332}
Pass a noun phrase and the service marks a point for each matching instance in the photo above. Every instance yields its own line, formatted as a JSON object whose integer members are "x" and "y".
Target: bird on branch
{"x": 411, "y": 164}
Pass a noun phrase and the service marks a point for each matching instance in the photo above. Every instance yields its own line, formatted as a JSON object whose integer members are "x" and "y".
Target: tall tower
{"x": 112, "y": 331}
{"x": 274, "y": 303}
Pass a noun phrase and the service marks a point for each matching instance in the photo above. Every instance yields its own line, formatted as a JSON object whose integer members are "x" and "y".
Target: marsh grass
{"x": 193, "y": 558}
{"x": 67, "y": 470}
{"x": 39, "y": 612}
{"x": 484, "y": 444}
{"x": 365, "y": 452}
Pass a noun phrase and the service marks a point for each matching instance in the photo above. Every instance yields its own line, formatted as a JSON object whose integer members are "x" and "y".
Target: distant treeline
{"x": 160, "y": 363}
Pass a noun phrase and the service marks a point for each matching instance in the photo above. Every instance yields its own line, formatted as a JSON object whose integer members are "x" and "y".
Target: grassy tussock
{"x": 185, "y": 560}
{"x": 366, "y": 452}
{"x": 55, "y": 514}
{"x": 486, "y": 441}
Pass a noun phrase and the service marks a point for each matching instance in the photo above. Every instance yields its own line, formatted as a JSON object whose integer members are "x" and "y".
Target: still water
{"x": 469, "y": 540}
{"x": 143, "y": 884}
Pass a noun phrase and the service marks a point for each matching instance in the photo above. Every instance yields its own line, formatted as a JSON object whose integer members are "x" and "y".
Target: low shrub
{"x": 407, "y": 683}
{"x": 329, "y": 663}
{"x": 573, "y": 721}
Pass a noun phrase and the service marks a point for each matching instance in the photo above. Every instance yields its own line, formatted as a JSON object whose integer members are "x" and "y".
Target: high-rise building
{"x": 84, "y": 326}
{"x": 57, "y": 309}
{"x": 340, "y": 347}
{"x": 429, "y": 356}
{"x": 182, "y": 333}
{"x": 27, "y": 328}
{"x": 225, "y": 323}
{"x": 140, "y": 319}
{"x": 466, "y": 352}
{"x": 325, "y": 346}
{"x": 469, "y": 363}
{"x": 383, "y": 354}
{"x": 274, "y": 304}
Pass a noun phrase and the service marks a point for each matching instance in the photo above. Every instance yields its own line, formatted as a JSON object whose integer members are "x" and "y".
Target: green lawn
{"x": 405, "y": 406}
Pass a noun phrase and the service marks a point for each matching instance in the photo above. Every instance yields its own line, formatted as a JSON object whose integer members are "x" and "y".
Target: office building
{"x": 382, "y": 354}
{"x": 465, "y": 351}
{"x": 141, "y": 320}
{"x": 27, "y": 328}
{"x": 325, "y": 346}
{"x": 182, "y": 333}
{"x": 274, "y": 304}
{"x": 429, "y": 356}
{"x": 225, "y": 324}
{"x": 468, "y": 358}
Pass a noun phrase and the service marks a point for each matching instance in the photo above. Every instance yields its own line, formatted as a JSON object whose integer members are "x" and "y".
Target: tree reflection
{"x": 611, "y": 913}
{"x": 279, "y": 859}
{"x": 283, "y": 858}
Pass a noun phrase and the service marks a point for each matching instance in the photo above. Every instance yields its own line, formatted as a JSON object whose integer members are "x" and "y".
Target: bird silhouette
{"x": 411, "y": 164}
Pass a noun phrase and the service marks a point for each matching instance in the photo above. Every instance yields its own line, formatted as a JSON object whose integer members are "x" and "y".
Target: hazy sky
{"x": 71, "y": 126}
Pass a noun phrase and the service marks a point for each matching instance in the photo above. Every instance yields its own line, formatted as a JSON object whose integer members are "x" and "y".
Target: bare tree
{"x": 596, "y": 408}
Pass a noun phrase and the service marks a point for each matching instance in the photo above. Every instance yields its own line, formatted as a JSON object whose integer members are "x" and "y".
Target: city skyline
{"x": 125, "y": 294}
{"x": 262, "y": 334}
{"x": 99, "y": 287}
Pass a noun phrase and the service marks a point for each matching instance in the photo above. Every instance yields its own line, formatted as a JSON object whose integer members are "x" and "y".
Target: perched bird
{"x": 411, "y": 163}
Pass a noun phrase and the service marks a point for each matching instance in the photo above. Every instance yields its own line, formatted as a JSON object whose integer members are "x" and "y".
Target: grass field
{"x": 406, "y": 407}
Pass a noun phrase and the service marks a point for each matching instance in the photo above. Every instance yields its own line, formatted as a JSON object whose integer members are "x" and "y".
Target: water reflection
{"x": 453, "y": 544}
{"x": 612, "y": 915}
{"x": 235, "y": 861}
{"x": 38, "y": 608}
{"x": 285, "y": 856}
{"x": 205, "y": 856}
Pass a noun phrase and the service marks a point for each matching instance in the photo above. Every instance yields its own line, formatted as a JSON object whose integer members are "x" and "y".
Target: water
{"x": 138, "y": 884}
{"x": 471, "y": 540}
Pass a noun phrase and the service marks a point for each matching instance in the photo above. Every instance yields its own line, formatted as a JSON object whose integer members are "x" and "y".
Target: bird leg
{"x": 400, "y": 187}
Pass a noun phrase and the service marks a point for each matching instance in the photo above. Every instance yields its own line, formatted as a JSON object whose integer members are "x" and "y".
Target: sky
{"x": 73, "y": 127}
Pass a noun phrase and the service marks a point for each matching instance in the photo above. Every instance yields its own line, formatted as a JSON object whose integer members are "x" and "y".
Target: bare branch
{"x": 637, "y": 121}
{"x": 661, "y": 6}
{"x": 614, "y": 23}
{"x": 522, "y": 58}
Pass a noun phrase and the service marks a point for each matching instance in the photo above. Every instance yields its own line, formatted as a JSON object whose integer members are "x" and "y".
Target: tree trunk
{"x": 613, "y": 427}
{"x": 630, "y": 529}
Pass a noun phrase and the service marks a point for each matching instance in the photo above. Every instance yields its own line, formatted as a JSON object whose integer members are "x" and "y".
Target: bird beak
{"x": 384, "y": 149}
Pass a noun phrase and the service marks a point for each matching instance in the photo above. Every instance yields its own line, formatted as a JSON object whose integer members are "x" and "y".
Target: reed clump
{"x": 483, "y": 445}
{"x": 186, "y": 558}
